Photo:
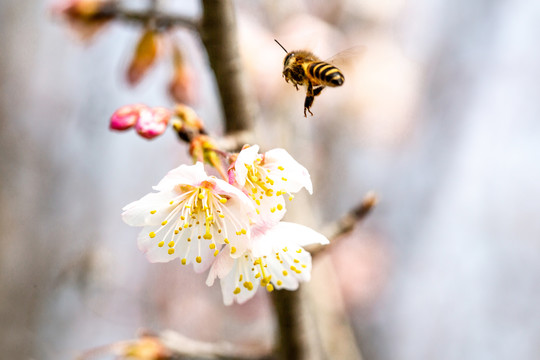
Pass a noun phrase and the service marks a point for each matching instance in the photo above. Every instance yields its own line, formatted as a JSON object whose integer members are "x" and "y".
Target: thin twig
{"x": 161, "y": 21}
{"x": 346, "y": 223}
{"x": 180, "y": 345}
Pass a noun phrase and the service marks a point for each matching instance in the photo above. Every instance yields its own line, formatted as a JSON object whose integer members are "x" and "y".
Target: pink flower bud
{"x": 127, "y": 116}
{"x": 86, "y": 17}
{"x": 153, "y": 122}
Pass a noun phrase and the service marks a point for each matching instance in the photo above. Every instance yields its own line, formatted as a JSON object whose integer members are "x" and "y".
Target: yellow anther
{"x": 241, "y": 277}
{"x": 304, "y": 266}
{"x": 184, "y": 261}
{"x": 209, "y": 219}
{"x": 226, "y": 241}
{"x": 273, "y": 210}
{"x": 170, "y": 251}
{"x": 284, "y": 178}
{"x": 257, "y": 210}
{"x": 187, "y": 206}
{"x": 198, "y": 259}
{"x": 233, "y": 249}
{"x": 293, "y": 268}
{"x": 279, "y": 207}
{"x": 269, "y": 192}
{"x": 258, "y": 202}
{"x": 153, "y": 211}
{"x": 258, "y": 276}
{"x": 171, "y": 243}
{"x": 216, "y": 252}
{"x": 152, "y": 234}
{"x": 254, "y": 190}
{"x": 183, "y": 217}
{"x": 299, "y": 251}
{"x": 207, "y": 236}
{"x": 278, "y": 193}
{"x": 285, "y": 273}
{"x": 291, "y": 197}
{"x": 236, "y": 291}
{"x": 285, "y": 249}
{"x": 223, "y": 200}
{"x": 279, "y": 283}
{"x": 269, "y": 287}
{"x": 296, "y": 261}
{"x": 243, "y": 231}
{"x": 176, "y": 232}
{"x": 188, "y": 239}
{"x": 221, "y": 216}
{"x": 248, "y": 285}
{"x": 186, "y": 225}
{"x": 212, "y": 246}
{"x": 171, "y": 202}
{"x": 161, "y": 243}
{"x": 200, "y": 196}
{"x": 281, "y": 168}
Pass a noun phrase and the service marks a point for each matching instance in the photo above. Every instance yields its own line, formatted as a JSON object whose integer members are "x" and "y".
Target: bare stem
{"x": 159, "y": 20}
{"x": 347, "y": 222}
{"x": 218, "y": 34}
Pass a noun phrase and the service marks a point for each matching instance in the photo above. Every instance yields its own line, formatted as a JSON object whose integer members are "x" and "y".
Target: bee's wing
{"x": 347, "y": 57}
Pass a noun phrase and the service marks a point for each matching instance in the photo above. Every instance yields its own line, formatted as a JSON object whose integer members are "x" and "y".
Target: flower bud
{"x": 146, "y": 348}
{"x": 153, "y": 122}
{"x": 86, "y": 17}
{"x": 182, "y": 87}
{"x": 126, "y": 116}
{"x": 145, "y": 55}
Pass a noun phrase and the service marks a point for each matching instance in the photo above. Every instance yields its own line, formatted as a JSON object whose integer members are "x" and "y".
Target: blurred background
{"x": 439, "y": 115}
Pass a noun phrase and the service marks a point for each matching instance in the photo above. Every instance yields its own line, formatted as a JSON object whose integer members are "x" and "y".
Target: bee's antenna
{"x": 281, "y": 46}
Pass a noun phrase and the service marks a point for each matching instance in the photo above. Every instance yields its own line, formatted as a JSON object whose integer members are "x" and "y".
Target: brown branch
{"x": 171, "y": 345}
{"x": 182, "y": 346}
{"x": 219, "y": 36}
{"x": 159, "y": 20}
{"x": 297, "y": 335}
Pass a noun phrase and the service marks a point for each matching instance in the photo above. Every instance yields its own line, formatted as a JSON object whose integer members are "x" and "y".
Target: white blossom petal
{"x": 184, "y": 174}
{"x": 191, "y": 220}
{"x": 292, "y": 176}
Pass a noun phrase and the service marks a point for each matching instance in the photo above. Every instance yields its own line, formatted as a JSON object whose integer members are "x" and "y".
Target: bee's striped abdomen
{"x": 327, "y": 74}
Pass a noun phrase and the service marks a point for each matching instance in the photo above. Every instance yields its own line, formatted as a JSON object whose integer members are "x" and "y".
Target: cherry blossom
{"x": 276, "y": 259}
{"x": 265, "y": 177}
{"x": 191, "y": 217}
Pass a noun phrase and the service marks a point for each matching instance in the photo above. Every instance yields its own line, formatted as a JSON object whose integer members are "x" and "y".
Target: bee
{"x": 303, "y": 68}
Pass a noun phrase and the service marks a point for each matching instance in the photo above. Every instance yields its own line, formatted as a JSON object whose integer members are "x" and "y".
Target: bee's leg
{"x": 317, "y": 91}
{"x": 310, "y": 97}
{"x": 307, "y": 104}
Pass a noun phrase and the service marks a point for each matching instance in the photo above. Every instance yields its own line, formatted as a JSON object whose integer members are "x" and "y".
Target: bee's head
{"x": 288, "y": 59}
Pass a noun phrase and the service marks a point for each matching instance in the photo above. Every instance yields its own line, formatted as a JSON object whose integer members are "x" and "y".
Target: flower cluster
{"x": 231, "y": 227}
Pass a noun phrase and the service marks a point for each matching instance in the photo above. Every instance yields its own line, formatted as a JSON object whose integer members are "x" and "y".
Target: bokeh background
{"x": 440, "y": 115}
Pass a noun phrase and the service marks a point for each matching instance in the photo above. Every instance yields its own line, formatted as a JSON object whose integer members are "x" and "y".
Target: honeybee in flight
{"x": 302, "y": 67}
